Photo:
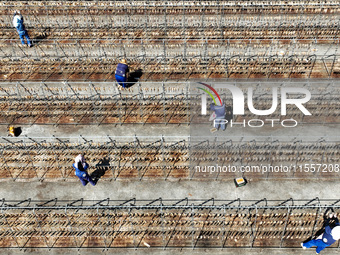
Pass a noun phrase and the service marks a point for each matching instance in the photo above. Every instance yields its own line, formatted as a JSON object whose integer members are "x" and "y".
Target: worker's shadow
{"x": 17, "y": 131}
{"x": 101, "y": 168}
{"x": 322, "y": 229}
{"x": 41, "y": 36}
{"x": 228, "y": 114}
{"x": 134, "y": 77}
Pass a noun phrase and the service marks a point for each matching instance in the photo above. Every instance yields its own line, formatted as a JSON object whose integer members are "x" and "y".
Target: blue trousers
{"x": 320, "y": 245}
{"x": 22, "y": 35}
{"x": 219, "y": 122}
{"x": 85, "y": 178}
{"x": 121, "y": 80}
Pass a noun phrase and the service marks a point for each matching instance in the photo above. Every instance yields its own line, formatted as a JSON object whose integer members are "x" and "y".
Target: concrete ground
{"x": 313, "y": 131}
{"x": 272, "y": 190}
{"x": 67, "y": 131}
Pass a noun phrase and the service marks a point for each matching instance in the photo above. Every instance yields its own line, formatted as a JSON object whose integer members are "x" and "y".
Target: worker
{"x": 11, "y": 131}
{"x": 80, "y": 166}
{"x": 219, "y": 120}
{"x": 330, "y": 235}
{"x": 121, "y": 73}
{"x": 18, "y": 23}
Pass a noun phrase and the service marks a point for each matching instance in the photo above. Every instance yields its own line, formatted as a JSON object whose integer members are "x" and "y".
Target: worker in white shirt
{"x": 18, "y": 23}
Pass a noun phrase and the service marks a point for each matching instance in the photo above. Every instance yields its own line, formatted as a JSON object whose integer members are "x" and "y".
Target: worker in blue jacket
{"x": 330, "y": 235}
{"x": 81, "y": 166}
{"x": 220, "y": 115}
{"x": 18, "y": 23}
{"x": 121, "y": 73}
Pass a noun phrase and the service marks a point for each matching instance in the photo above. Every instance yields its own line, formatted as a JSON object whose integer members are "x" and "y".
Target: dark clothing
{"x": 21, "y": 28}
{"x": 326, "y": 239}
{"x": 22, "y": 35}
{"x": 83, "y": 176}
{"x": 121, "y": 73}
{"x": 219, "y": 110}
{"x": 121, "y": 80}
{"x": 220, "y": 116}
{"x": 79, "y": 172}
{"x": 320, "y": 245}
{"x": 122, "y": 69}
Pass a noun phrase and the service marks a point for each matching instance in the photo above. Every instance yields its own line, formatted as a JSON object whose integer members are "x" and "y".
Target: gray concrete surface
{"x": 309, "y": 132}
{"x": 104, "y": 130}
{"x": 272, "y": 190}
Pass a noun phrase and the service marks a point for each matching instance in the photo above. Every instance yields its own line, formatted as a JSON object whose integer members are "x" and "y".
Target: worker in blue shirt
{"x": 220, "y": 115}
{"x": 80, "y": 166}
{"x": 18, "y": 23}
{"x": 330, "y": 235}
{"x": 122, "y": 73}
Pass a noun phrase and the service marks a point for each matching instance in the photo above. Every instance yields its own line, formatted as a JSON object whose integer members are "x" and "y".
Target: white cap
{"x": 79, "y": 158}
{"x": 336, "y": 233}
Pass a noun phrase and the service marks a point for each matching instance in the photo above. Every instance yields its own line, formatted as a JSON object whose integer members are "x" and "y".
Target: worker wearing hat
{"x": 18, "y": 23}
{"x": 122, "y": 73}
{"x": 330, "y": 235}
{"x": 80, "y": 166}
